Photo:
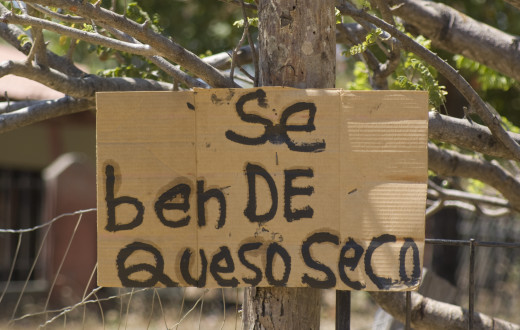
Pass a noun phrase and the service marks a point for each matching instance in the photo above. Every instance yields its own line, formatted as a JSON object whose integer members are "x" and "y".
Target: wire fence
{"x": 29, "y": 300}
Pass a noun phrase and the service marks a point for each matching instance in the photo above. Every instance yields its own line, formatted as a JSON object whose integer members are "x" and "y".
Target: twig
{"x": 251, "y": 44}
{"x": 61, "y": 17}
{"x": 235, "y": 50}
{"x": 440, "y": 192}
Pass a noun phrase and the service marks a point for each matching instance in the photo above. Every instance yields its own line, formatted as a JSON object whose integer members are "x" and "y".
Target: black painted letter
{"x": 309, "y": 127}
{"x": 241, "y": 255}
{"x": 162, "y": 204}
{"x": 215, "y": 268}
{"x": 416, "y": 272}
{"x": 185, "y": 268}
{"x": 203, "y": 197}
{"x": 258, "y": 95}
{"x": 351, "y": 263}
{"x": 252, "y": 171}
{"x": 290, "y": 191}
{"x": 381, "y": 282}
{"x": 272, "y": 249}
{"x": 113, "y": 202}
{"x": 156, "y": 271}
{"x": 330, "y": 280}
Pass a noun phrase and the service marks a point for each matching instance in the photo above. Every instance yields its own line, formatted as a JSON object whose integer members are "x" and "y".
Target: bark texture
{"x": 297, "y": 48}
{"x": 297, "y": 40}
{"x": 431, "y": 314}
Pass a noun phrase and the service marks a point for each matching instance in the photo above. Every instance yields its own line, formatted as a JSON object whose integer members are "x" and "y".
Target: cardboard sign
{"x": 262, "y": 187}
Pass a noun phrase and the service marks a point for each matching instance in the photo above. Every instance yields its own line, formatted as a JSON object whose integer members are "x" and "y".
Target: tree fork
{"x": 297, "y": 48}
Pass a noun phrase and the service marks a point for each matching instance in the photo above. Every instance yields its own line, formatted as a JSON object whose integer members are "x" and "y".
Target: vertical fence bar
{"x": 471, "y": 282}
{"x": 342, "y": 310}
{"x": 408, "y": 310}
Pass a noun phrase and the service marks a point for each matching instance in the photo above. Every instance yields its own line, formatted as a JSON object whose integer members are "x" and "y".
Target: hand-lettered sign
{"x": 262, "y": 187}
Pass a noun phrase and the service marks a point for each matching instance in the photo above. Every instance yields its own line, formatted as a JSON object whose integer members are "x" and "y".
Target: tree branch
{"x": 90, "y": 37}
{"x": 163, "y": 64}
{"x": 223, "y": 60}
{"x": 164, "y": 46}
{"x": 61, "y": 17}
{"x": 489, "y": 119}
{"x": 457, "y": 33}
{"x": 440, "y": 192}
{"x": 466, "y": 135}
{"x": 84, "y": 87}
{"x": 12, "y": 34}
{"x": 41, "y": 111}
{"x": 451, "y": 163}
{"x": 431, "y": 314}
{"x": 10, "y": 106}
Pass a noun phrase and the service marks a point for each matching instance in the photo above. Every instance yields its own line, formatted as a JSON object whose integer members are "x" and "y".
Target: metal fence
{"x": 30, "y": 306}
{"x": 343, "y": 297}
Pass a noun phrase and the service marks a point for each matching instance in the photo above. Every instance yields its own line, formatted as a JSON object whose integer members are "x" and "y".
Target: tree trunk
{"x": 297, "y": 48}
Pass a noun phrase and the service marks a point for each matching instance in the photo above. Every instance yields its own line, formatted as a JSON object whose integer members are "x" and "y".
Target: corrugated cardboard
{"x": 347, "y": 171}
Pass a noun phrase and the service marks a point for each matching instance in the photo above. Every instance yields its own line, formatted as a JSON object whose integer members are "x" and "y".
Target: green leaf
{"x": 370, "y": 39}
{"x": 486, "y": 77}
{"x": 253, "y": 21}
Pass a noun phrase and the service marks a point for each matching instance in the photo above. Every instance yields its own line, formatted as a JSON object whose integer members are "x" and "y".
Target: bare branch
{"x": 431, "y": 314}
{"x": 457, "y": 33}
{"x": 61, "y": 17}
{"x": 434, "y": 208}
{"x": 90, "y": 37}
{"x": 176, "y": 73}
{"x": 491, "y": 213}
{"x": 223, "y": 60}
{"x": 41, "y": 111}
{"x": 84, "y": 87}
{"x": 164, "y": 46}
{"x": 12, "y": 34}
{"x": 395, "y": 48}
{"x": 235, "y": 50}
{"x": 466, "y": 135}
{"x": 251, "y": 44}
{"x": 440, "y": 192}
{"x": 10, "y": 106}
{"x": 487, "y": 116}
{"x": 451, "y": 163}
{"x": 466, "y": 201}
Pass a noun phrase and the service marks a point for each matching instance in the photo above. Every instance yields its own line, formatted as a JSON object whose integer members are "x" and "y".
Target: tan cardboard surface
{"x": 265, "y": 187}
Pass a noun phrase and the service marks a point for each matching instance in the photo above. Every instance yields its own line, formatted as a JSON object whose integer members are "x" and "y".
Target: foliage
{"x": 487, "y": 78}
{"x": 361, "y": 77}
{"x": 414, "y": 74}
{"x": 370, "y": 39}
{"x": 197, "y": 25}
{"x": 252, "y": 21}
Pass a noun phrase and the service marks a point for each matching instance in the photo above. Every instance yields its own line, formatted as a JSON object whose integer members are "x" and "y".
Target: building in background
{"x": 46, "y": 169}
